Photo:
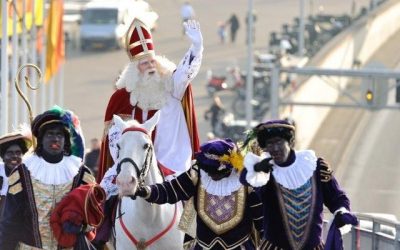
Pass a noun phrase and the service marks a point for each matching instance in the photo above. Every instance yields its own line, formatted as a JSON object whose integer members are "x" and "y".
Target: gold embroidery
{"x": 188, "y": 218}
{"x": 326, "y": 174}
{"x": 88, "y": 178}
{"x": 173, "y": 189}
{"x": 256, "y": 205}
{"x": 180, "y": 187}
{"x": 46, "y": 197}
{"x": 240, "y": 198}
{"x": 194, "y": 176}
{"x": 325, "y": 177}
{"x": 15, "y": 189}
{"x": 12, "y": 179}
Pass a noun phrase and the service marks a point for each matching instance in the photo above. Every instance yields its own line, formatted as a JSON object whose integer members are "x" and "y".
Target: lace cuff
{"x": 256, "y": 179}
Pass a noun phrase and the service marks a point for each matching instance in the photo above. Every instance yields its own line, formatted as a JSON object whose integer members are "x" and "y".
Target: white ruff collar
{"x": 295, "y": 175}
{"x": 53, "y": 173}
{"x": 223, "y": 187}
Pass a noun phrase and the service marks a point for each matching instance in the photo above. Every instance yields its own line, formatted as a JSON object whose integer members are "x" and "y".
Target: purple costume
{"x": 293, "y": 214}
{"x": 223, "y": 221}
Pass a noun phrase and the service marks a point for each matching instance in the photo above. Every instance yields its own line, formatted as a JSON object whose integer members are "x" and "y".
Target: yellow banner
{"x": 55, "y": 39}
{"x": 16, "y": 6}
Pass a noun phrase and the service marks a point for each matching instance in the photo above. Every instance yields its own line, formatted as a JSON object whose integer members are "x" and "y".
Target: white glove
{"x": 192, "y": 30}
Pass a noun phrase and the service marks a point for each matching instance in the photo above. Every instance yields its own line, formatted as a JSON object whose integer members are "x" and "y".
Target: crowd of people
{"x": 263, "y": 194}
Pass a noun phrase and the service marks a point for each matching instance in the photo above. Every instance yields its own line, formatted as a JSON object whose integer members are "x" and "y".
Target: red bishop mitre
{"x": 139, "y": 40}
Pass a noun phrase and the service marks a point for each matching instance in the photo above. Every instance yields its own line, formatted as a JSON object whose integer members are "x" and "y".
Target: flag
{"x": 16, "y": 6}
{"x": 55, "y": 39}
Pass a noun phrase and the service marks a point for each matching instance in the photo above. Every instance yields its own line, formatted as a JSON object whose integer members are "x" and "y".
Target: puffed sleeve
{"x": 334, "y": 197}
{"x": 181, "y": 188}
{"x": 186, "y": 71}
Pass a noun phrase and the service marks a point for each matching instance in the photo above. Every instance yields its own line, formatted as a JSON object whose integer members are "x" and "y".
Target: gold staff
{"x": 17, "y": 86}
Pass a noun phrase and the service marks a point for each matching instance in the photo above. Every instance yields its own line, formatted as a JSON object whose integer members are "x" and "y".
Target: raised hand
{"x": 192, "y": 30}
{"x": 264, "y": 166}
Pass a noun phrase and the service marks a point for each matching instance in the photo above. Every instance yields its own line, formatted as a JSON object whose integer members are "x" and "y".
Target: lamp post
{"x": 301, "y": 29}
{"x": 249, "y": 77}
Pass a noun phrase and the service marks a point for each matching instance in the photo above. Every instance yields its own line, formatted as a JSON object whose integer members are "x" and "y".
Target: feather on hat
{"x": 66, "y": 118}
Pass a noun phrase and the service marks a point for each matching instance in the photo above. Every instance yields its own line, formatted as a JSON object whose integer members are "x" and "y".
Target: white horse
{"x": 140, "y": 224}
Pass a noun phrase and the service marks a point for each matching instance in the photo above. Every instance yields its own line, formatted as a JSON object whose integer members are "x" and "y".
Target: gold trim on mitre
{"x": 144, "y": 42}
{"x": 138, "y": 25}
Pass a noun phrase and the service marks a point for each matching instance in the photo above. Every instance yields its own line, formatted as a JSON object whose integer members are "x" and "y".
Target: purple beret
{"x": 211, "y": 151}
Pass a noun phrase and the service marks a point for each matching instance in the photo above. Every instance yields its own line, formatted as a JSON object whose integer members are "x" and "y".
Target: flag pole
{"x": 14, "y": 67}
{"x": 33, "y": 52}
{"x": 4, "y": 69}
{"x": 24, "y": 47}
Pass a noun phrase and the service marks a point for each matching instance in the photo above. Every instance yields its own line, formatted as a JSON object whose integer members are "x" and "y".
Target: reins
{"x": 142, "y": 243}
{"x": 142, "y": 173}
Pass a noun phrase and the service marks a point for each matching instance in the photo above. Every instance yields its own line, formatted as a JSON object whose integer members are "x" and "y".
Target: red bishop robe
{"x": 120, "y": 104}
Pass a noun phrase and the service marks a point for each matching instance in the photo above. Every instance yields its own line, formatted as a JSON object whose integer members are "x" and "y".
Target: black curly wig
{"x": 20, "y": 142}
{"x": 67, "y": 143}
{"x": 267, "y": 131}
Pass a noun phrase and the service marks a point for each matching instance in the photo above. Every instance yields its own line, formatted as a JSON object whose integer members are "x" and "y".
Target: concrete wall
{"x": 359, "y": 42}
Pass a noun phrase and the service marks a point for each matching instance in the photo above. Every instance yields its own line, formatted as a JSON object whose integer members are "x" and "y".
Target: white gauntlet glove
{"x": 192, "y": 30}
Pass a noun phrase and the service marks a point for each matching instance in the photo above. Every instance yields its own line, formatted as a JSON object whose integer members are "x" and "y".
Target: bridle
{"x": 142, "y": 172}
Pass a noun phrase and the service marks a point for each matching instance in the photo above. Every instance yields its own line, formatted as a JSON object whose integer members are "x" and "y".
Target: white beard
{"x": 150, "y": 92}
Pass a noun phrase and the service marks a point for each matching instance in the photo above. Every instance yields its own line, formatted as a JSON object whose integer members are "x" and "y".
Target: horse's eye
{"x": 146, "y": 145}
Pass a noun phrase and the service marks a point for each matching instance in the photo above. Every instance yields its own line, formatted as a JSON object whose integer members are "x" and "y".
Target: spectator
{"x": 221, "y": 32}
{"x": 187, "y": 13}
{"x": 215, "y": 112}
{"x": 234, "y": 25}
{"x": 92, "y": 157}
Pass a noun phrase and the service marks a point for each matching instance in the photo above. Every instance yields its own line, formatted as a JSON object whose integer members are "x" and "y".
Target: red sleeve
{"x": 118, "y": 104}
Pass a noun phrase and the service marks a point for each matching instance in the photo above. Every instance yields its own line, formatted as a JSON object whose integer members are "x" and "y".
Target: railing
{"x": 375, "y": 231}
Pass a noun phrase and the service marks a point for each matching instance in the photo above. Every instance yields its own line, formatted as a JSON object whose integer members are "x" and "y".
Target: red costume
{"x": 82, "y": 206}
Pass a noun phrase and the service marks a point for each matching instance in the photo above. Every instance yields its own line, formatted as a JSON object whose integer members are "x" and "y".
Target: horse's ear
{"x": 117, "y": 120}
{"x": 152, "y": 122}
{"x": 114, "y": 134}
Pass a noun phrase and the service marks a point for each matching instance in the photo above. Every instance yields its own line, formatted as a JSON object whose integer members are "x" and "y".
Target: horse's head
{"x": 135, "y": 153}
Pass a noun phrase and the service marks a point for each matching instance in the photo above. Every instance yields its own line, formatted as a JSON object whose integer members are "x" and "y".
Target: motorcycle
{"x": 228, "y": 127}
{"x": 217, "y": 83}
{"x": 260, "y": 108}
